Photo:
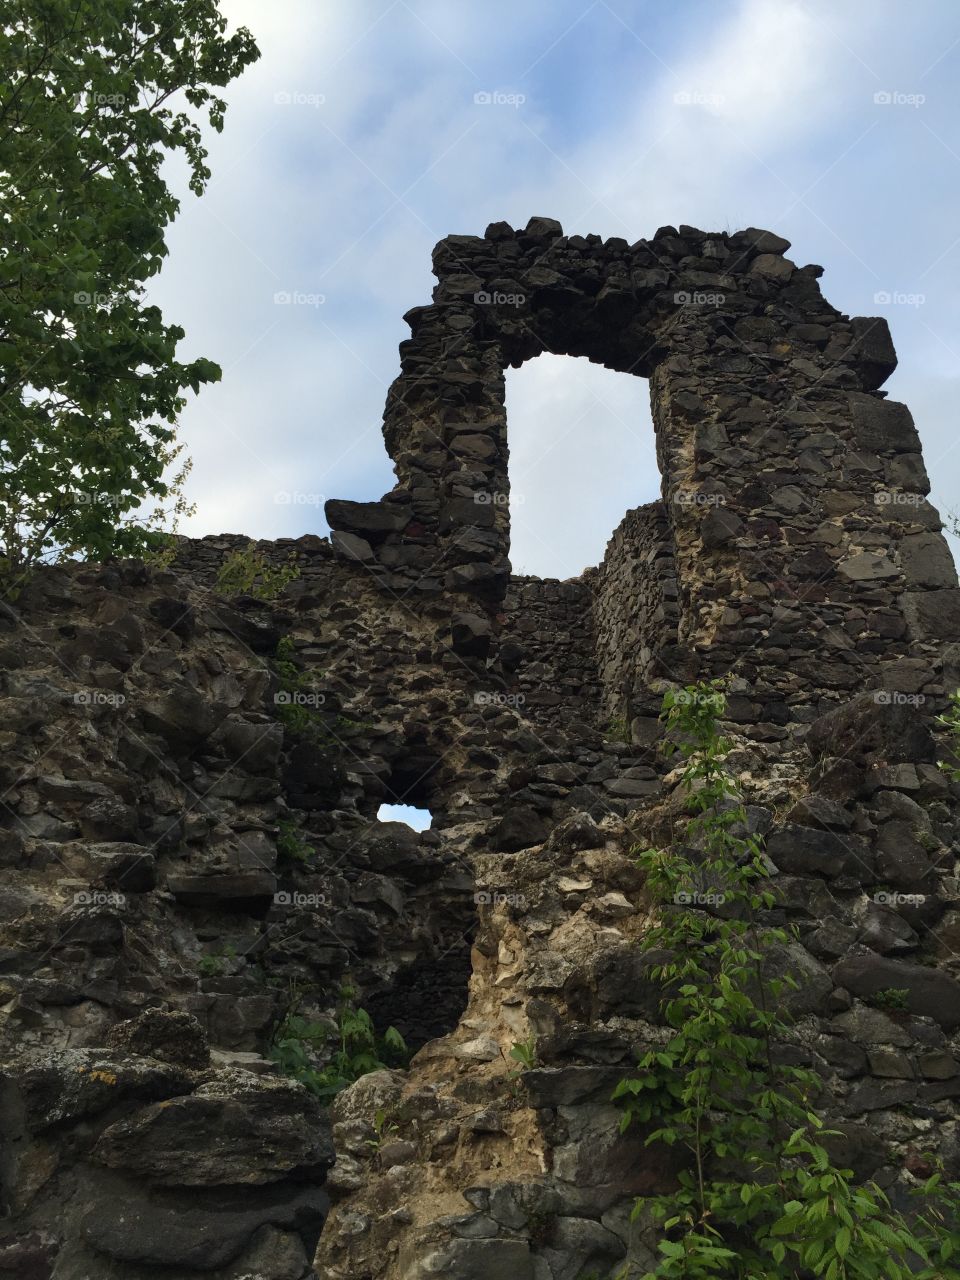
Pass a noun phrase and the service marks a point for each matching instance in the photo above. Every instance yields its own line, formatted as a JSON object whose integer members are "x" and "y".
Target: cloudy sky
{"x": 356, "y": 142}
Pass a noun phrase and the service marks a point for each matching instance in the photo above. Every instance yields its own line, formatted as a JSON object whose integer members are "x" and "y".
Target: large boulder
{"x": 930, "y": 992}
{"x": 874, "y": 728}
{"x": 237, "y": 1129}
{"x": 163, "y": 1229}
{"x": 371, "y": 521}
{"x": 167, "y": 1034}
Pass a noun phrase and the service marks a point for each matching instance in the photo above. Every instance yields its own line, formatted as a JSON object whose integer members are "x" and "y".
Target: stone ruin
{"x": 158, "y": 919}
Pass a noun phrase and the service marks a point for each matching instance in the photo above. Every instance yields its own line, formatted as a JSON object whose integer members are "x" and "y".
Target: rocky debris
{"x": 104, "y": 1141}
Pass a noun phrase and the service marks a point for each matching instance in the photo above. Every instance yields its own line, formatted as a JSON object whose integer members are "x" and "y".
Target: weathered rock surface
{"x": 189, "y": 842}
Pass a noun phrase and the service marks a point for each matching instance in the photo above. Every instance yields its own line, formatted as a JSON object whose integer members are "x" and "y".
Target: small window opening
{"x": 418, "y": 819}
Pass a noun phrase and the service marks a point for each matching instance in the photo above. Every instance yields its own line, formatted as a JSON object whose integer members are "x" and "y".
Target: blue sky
{"x": 355, "y": 143}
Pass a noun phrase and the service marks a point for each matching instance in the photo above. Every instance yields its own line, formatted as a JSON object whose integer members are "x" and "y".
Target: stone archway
{"x": 793, "y": 508}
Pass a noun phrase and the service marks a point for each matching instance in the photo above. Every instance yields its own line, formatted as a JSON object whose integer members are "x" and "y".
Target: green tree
{"x": 94, "y": 94}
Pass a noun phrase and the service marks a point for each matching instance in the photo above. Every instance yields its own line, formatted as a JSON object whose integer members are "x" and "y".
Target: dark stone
{"x": 241, "y": 1130}
{"x": 30, "y": 1256}
{"x": 351, "y": 546}
{"x": 130, "y": 868}
{"x": 499, "y": 231}
{"x": 183, "y": 717}
{"x": 259, "y": 635}
{"x": 470, "y": 1260}
{"x": 872, "y": 349}
{"x": 575, "y": 1246}
{"x": 884, "y": 930}
{"x": 312, "y": 777}
{"x": 166, "y": 1034}
{"x": 214, "y": 889}
{"x": 108, "y": 818}
{"x": 874, "y": 1095}
{"x": 253, "y": 745}
{"x": 371, "y": 520}
{"x": 821, "y": 812}
{"x": 174, "y": 615}
{"x": 866, "y": 730}
{"x": 467, "y": 513}
{"x": 163, "y": 1229}
{"x": 566, "y": 1086}
{"x": 901, "y": 859}
{"x": 808, "y": 851}
{"x": 882, "y": 426}
{"x": 539, "y": 228}
{"x": 579, "y": 831}
{"x": 930, "y": 991}
{"x": 856, "y": 1147}
{"x": 470, "y": 577}
{"x": 847, "y": 1059}
{"x": 519, "y": 828}
{"x": 933, "y": 615}
{"x": 831, "y": 940}
{"x": 471, "y": 635}
{"x": 71, "y": 1085}
{"x": 759, "y": 241}
{"x": 720, "y": 526}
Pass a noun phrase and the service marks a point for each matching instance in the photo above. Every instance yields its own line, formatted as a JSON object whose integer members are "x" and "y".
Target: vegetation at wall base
{"x": 759, "y": 1197}
{"x": 357, "y": 1049}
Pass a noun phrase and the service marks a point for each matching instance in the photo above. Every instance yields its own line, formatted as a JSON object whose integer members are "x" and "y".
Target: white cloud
{"x": 306, "y": 198}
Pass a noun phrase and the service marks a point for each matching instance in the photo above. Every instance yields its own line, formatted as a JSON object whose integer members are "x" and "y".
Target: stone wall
{"x": 189, "y": 843}
{"x": 637, "y": 613}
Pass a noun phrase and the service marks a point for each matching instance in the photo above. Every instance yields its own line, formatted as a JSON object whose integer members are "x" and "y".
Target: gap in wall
{"x": 582, "y": 453}
{"x": 418, "y": 819}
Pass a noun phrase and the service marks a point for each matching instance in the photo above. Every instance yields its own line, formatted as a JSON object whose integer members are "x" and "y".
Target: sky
{"x": 370, "y": 129}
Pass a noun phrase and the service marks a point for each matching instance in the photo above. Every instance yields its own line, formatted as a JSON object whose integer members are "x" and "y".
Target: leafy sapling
{"x": 758, "y": 1195}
